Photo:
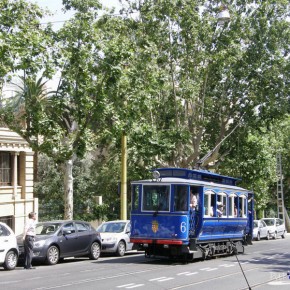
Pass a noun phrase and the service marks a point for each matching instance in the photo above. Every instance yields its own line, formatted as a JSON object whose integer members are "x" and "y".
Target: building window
{"x": 8, "y": 220}
{"x": 5, "y": 169}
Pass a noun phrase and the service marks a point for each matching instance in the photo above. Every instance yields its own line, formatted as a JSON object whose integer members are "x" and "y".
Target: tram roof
{"x": 194, "y": 174}
{"x": 175, "y": 180}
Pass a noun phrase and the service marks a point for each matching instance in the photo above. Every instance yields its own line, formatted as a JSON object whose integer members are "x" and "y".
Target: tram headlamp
{"x": 156, "y": 174}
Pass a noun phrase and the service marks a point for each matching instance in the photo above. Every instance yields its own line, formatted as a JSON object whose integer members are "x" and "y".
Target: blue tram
{"x": 190, "y": 214}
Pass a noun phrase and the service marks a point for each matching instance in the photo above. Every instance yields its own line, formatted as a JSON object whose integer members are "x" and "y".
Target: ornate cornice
{"x": 11, "y": 141}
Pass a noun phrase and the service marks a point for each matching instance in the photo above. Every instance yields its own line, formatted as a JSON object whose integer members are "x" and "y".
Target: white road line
{"x": 204, "y": 269}
{"x": 227, "y": 265}
{"x": 126, "y": 285}
{"x": 166, "y": 279}
{"x": 155, "y": 279}
{"x": 213, "y": 269}
{"x": 279, "y": 283}
{"x": 182, "y": 273}
{"x": 135, "y": 286}
{"x": 193, "y": 273}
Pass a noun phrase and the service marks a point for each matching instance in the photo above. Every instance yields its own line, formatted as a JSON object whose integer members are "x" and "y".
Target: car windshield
{"x": 269, "y": 222}
{"x": 111, "y": 228}
{"x": 255, "y": 224}
{"x": 47, "y": 228}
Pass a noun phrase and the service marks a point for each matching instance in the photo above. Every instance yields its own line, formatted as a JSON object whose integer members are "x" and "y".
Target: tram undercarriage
{"x": 195, "y": 250}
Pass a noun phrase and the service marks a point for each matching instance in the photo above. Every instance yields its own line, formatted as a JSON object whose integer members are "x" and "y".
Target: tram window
{"x": 232, "y": 206}
{"x": 242, "y": 206}
{"x": 135, "y": 197}
{"x": 180, "y": 198}
{"x": 156, "y": 197}
{"x": 222, "y": 204}
{"x": 209, "y": 203}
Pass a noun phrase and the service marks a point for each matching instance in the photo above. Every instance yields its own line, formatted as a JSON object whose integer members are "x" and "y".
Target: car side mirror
{"x": 66, "y": 232}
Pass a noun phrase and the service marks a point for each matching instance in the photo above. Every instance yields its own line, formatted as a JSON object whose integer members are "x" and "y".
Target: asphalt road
{"x": 264, "y": 265}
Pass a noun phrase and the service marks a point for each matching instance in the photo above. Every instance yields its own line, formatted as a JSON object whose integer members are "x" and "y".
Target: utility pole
{"x": 124, "y": 177}
{"x": 280, "y": 196}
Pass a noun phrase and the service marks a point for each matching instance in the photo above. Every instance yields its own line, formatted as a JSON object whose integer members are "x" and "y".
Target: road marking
{"x": 135, "y": 286}
{"x": 130, "y": 286}
{"x": 192, "y": 273}
{"x": 161, "y": 279}
{"x": 279, "y": 283}
{"x": 227, "y": 265}
{"x": 208, "y": 269}
{"x": 183, "y": 273}
{"x": 126, "y": 285}
{"x": 166, "y": 279}
{"x": 155, "y": 279}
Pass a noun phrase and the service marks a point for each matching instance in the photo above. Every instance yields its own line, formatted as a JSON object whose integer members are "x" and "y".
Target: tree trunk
{"x": 68, "y": 190}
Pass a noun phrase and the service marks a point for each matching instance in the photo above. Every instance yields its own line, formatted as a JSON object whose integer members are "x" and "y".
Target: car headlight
{"x": 39, "y": 244}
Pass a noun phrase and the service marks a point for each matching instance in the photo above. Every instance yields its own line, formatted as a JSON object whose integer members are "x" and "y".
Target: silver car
{"x": 115, "y": 236}
{"x": 276, "y": 227}
{"x": 260, "y": 230}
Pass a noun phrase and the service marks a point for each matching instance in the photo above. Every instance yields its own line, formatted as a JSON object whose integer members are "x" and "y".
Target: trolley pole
{"x": 124, "y": 177}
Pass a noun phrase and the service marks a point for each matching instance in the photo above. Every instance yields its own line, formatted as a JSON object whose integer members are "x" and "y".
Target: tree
{"x": 23, "y": 40}
{"x": 191, "y": 82}
{"x": 64, "y": 123}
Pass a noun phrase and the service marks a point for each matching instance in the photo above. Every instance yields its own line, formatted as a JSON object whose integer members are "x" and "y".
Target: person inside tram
{"x": 219, "y": 209}
{"x": 193, "y": 199}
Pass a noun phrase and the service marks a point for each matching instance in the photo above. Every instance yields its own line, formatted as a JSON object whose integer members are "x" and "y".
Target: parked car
{"x": 115, "y": 237}
{"x": 56, "y": 240}
{"x": 276, "y": 227}
{"x": 260, "y": 230}
{"x": 8, "y": 247}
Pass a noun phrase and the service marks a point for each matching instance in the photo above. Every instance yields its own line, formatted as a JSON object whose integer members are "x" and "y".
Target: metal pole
{"x": 124, "y": 177}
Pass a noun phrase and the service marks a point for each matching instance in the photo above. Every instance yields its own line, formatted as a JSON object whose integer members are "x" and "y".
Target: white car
{"x": 276, "y": 227}
{"x": 115, "y": 237}
{"x": 8, "y": 247}
{"x": 260, "y": 230}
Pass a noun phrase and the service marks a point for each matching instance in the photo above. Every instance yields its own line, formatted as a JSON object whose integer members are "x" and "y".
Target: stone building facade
{"x": 16, "y": 180}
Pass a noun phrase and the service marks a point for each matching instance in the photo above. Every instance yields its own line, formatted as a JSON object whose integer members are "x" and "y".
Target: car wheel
{"x": 52, "y": 255}
{"x": 11, "y": 260}
{"x": 275, "y": 236}
{"x": 258, "y": 237}
{"x": 268, "y": 236}
{"x": 121, "y": 249}
{"x": 95, "y": 251}
{"x": 283, "y": 236}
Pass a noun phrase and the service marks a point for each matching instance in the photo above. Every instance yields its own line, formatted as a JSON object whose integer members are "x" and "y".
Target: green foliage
{"x": 49, "y": 190}
{"x": 172, "y": 78}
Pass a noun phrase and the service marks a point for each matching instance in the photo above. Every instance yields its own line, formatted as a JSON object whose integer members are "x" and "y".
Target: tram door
{"x": 194, "y": 210}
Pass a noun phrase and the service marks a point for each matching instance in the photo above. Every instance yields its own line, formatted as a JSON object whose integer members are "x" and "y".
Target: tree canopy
{"x": 181, "y": 83}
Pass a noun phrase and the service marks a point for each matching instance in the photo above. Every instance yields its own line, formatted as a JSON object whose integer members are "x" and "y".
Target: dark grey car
{"x": 59, "y": 239}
